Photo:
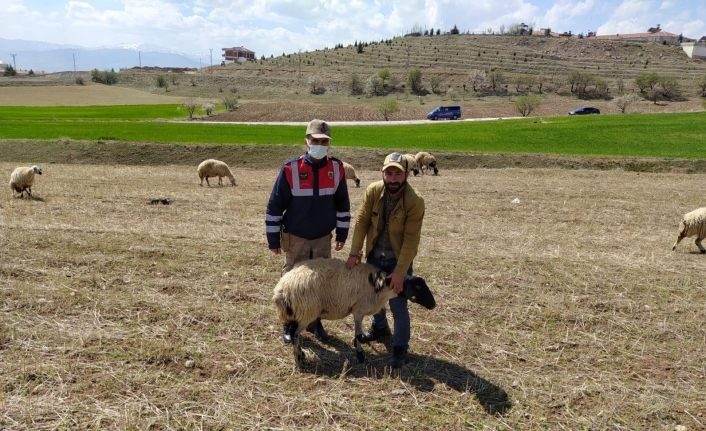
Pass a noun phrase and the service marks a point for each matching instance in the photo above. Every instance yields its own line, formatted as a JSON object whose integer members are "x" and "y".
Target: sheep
{"x": 693, "y": 223}
{"x": 350, "y": 173}
{"x": 22, "y": 178}
{"x": 215, "y": 168}
{"x": 325, "y": 288}
{"x": 411, "y": 163}
{"x": 426, "y": 161}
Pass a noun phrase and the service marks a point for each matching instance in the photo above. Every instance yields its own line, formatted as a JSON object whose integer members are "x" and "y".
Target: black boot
{"x": 399, "y": 357}
{"x": 318, "y": 330}
{"x": 288, "y": 330}
{"x": 375, "y": 334}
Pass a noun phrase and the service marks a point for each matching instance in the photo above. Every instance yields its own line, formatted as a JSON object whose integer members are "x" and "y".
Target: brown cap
{"x": 396, "y": 160}
{"x": 318, "y": 129}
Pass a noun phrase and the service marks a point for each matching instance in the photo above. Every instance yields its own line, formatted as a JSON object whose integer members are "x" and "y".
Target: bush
{"x": 208, "y": 108}
{"x": 374, "y": 86}
{"x": 388, "y": 107}
{"x": 79, "y": 81}
{"x": 104, "y": 77}
{"x": 9, "y": 71}
{"x": 230, "y": 103}
{"x": 526, "y": 104}
{"x": 356, "y": 85}
{"x": 624, "y": 101}
{"x": 190, "y": 107}
{"x": 161, "y": 81}
{"x": 316, "y": 85}
{"x": 414, "y": 82}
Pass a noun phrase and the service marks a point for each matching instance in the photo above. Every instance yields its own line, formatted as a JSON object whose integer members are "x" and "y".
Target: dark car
{"x": 445, "y": 112}
{"x": 585, "y": 110}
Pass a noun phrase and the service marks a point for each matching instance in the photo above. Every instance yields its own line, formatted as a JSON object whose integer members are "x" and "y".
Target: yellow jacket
{"x": 405, "y": 224}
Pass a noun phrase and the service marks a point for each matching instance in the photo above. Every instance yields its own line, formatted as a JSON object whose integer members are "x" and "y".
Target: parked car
{"x": 585, "y": 110}
{"x": 448, "y": 112}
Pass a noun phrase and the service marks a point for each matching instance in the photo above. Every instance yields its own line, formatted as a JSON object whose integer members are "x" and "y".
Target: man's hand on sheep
{"x": 352, "y": 261}
{"x": 339, "y": 245}
{"x": 276, "y": 250}
{"x": 396, "y": 282}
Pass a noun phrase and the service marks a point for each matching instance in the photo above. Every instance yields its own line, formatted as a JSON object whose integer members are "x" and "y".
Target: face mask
{"x": 318, "y": 152}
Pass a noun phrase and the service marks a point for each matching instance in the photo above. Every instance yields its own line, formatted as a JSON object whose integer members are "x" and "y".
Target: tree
{"x": 646, "y": 81}
{"x": 388, "y": 107}
{"x": 374, "y": 86}
{"x": 414, "y": 82}
{"x": 384, "y": 74}
{"x": 495, "y": 79}
{"x": 477, "y": 78}
{"x": 356, "y": 85}
{"x": 161, "y": 82}
{"x": 670, "y": 87}
{"x": 230, "y": 103}
{"x": 435, "y": 83}
{"x": 527, "y": 103}
{"x": 9, "y": 71}
{"x": 359, "y": 49}
{"x": 190, "y": 107}
{"x": 316, "y": 85}
{"x": 623, "y": 102}
{"x": 208, "y": 108}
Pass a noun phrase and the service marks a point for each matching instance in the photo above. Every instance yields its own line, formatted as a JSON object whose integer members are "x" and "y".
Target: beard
{"x": 394, "y": 187}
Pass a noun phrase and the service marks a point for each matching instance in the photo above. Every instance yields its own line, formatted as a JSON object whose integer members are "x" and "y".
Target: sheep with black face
{"x": 326, "y": 289}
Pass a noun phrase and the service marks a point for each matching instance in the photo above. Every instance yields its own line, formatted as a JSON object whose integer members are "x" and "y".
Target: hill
{"x": 280, "y": 88}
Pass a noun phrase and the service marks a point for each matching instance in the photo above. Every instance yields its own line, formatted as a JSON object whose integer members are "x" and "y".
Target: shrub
{"x": 104, "y": 77}
{"x": 230, "y": 103}
{"x": 526, "y": 104}
{"x": 208, "y": 108}
{"x": 79, "y": 81}
{"x": 388, "y": 107}
{"x": 316, "y": 85}
{"x": 374, "y": 86}
{"x": 161, "y": 81}
{"x": 356, "y": 85}
{"x": 624, "y": 101}
{"x": 414, "y": 82}
{"x": 9, "y": 71}
{"x": 190, "y": 107}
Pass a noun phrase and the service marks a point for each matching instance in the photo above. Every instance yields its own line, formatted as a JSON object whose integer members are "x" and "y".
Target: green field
{"x": 642, "y": 135}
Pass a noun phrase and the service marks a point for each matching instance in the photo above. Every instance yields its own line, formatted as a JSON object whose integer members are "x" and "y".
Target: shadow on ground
{"x": 336, "y": 358}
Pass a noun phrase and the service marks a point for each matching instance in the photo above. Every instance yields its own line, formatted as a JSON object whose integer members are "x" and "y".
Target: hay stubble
{"x": 121, "y": 315}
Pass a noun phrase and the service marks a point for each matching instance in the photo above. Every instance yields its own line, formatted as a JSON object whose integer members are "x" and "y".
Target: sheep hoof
{"x": 360, "y": 356}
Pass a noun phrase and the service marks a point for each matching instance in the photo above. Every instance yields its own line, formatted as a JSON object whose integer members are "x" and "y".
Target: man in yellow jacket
{"x": 390, "y": 223}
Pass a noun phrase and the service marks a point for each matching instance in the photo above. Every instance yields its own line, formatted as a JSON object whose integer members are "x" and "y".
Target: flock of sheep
{"x": 325, "y": 288}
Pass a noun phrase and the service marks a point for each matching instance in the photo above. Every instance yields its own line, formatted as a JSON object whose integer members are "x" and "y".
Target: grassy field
{"x": 93, "y": 112}
{"x": 567, "y": 311}
{"x": 653, "y": 135}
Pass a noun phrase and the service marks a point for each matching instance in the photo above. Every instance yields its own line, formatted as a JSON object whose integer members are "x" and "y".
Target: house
{"x": 649, "y": 36}
{"x": 238, "y": 53}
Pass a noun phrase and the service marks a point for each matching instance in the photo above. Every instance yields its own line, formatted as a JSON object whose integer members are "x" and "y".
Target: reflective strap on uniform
{"x": 296, "y": 188}
{"x": 272, "y": 229}
{"x": 342, "y": 224}
{"x": 343, "y": 214}
{"x": 272, "y": 218}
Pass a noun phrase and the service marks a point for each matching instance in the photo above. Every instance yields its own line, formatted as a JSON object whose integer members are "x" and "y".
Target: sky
{"x": 273, "y": 27}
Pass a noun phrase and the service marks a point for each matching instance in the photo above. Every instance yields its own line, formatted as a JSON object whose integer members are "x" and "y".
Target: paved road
{"x": 360, "y": 123}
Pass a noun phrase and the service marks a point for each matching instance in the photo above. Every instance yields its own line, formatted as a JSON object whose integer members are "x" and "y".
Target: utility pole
{"x": 13, "y": 61}
{"x": 139, "y": 58}
{"x": 73, "y": 54}
{"x": 210, "y": 69}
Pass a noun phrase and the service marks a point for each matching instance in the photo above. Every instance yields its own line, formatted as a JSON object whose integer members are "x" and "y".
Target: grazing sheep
{"x": 326, "y": 289}
{"x": 22, "y": 178}
{"x": 426, "y": 161}
{"x": 693, "y": 223}
{"x": 215, "y": 168}
{"x": 350, "y": 173}
{"x": 411, "y": 163}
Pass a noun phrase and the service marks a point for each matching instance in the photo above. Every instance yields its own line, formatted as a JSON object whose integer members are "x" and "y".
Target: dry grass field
{"x": 567, "y": 311}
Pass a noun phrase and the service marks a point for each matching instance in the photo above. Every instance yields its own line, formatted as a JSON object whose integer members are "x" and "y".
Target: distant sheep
{"x": 22, "y": 178}
{"x": 693, "y": 223}
{"x": 326, "y": 289}
{"x": 350, "y": 173}
{"x": 425, "y": 161}
{"x": 411, "y": 163}
{"x": 215, "y": 168}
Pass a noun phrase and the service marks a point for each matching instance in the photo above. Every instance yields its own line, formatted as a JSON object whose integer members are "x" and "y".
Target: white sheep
{"x": 350, "y": 173}
{"x": 22, "y": 178}
{"x": 326, "y": 289}
{"x": 693, "y": 223}
{"x": 215, "y": 168}
{"x": 411, "y": 163}
{"x": 426, "y": 161}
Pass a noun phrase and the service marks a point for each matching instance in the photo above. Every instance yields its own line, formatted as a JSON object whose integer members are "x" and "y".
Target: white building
{"x": 694, "y": 49}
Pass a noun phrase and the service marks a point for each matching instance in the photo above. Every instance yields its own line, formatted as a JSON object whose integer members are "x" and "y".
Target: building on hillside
{"x": 695, "y": 49}
{"x": 654, "y": 35}
{"x": 238, "y": 53}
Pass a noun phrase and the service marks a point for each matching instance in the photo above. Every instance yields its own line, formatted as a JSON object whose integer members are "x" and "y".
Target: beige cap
{"x": 396, "y": 160}
{"x": 318, "y": 129}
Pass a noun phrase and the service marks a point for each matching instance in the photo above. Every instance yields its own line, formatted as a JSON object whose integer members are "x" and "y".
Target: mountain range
{"x": 51, "y": 57}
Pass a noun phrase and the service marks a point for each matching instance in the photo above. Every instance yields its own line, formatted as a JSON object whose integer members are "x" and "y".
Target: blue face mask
{"x": 318, "y": 152}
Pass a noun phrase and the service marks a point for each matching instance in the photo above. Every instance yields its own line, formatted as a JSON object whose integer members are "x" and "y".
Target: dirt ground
{"x": 567, "y": 310}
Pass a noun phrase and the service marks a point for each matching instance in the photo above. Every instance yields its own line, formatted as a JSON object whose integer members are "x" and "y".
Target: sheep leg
{"x": 220, "y": 181}
{"x": 294, "y": 329}
{"x": 207, "y": 183}
{"x": 698, "y": 244}
{"x": 679, "y": 238}
{"x": 357, "y": 343}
